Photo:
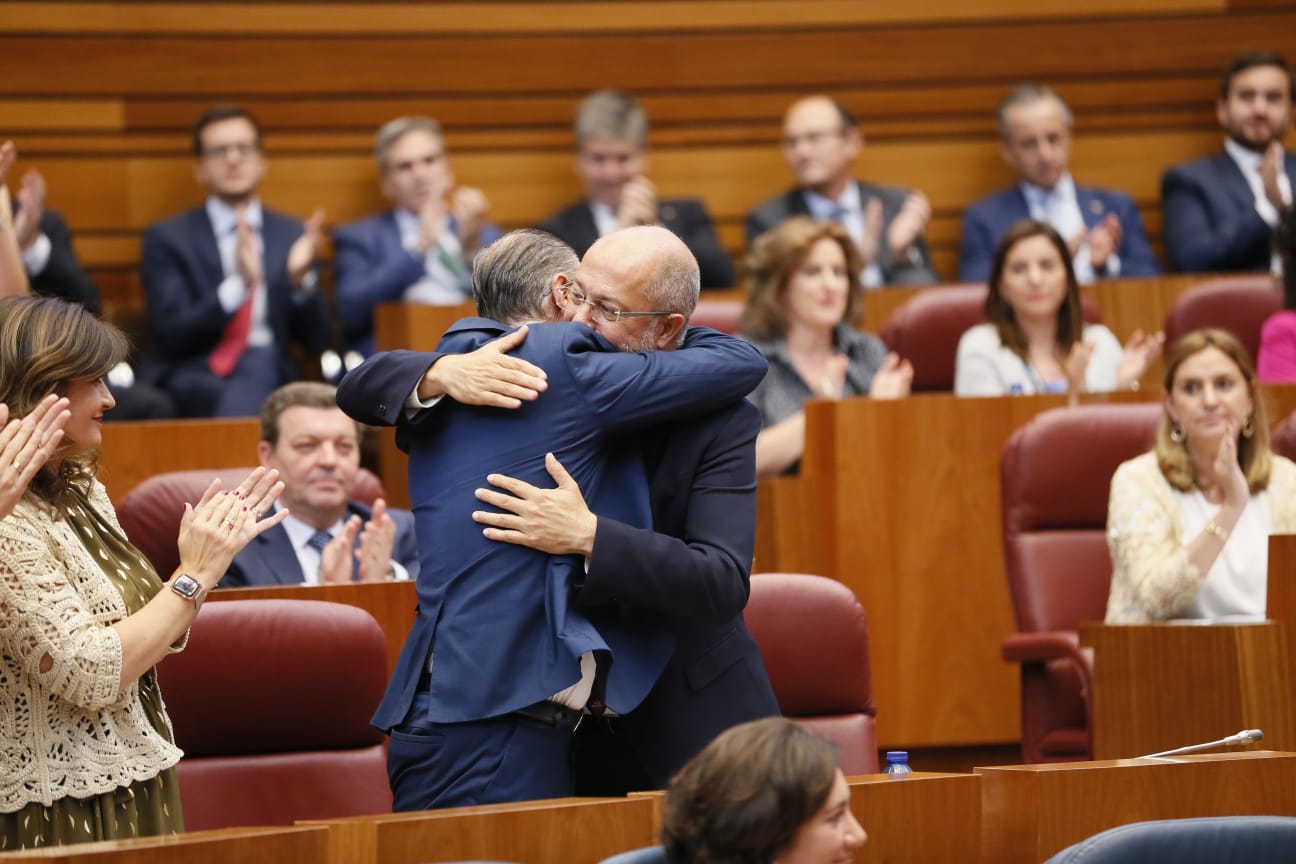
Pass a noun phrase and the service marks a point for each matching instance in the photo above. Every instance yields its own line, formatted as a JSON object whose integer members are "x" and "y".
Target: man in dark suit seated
{"x": 328, "y": 537}
{"x": 421, "y": 251}
{"x": 511, "y": 660}
{"x": 230, "y": 285}
{"x": 1102, "y": 227}
{"x": 611, "y": 133}
{"x": 1221, "y": 213}
{"x": 822, "y": 141}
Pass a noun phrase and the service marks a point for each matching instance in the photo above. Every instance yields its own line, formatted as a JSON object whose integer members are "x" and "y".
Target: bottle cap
{"x": 897, "y": 756}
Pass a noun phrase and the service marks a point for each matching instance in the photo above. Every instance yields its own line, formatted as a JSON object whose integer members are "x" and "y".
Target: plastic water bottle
{"x": 898, "y": 762}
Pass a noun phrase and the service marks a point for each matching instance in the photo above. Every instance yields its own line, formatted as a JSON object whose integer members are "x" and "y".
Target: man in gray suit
{"x": 821, "y": 142}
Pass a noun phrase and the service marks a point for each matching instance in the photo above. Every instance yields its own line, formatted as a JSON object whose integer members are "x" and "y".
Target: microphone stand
{"x": 1246, "y": 736}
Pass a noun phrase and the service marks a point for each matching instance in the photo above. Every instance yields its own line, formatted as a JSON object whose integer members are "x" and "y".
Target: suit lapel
{"x": 205, "y": 249}
{"x": 277, "y": 557}
{"x": 1232, "y": 182}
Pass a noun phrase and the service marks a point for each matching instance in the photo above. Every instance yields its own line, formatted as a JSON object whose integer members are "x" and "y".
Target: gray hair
{"x": 511, "y": 277}
{"x": 611, "y": 114}
{"x": 1026, "y": 93}
{"x": 675, "y": 285}
{"x": 394, "y": 130}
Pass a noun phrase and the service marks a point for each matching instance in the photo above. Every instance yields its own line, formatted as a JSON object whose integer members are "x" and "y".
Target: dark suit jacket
{"x": 63, "y": 275}
{"x": 370, "y": 266}
{"x": 181, "y": 269}
{"x": 687, "y": 218}
{"x": 497, "y": 616}
{"x": 985, "y": 221}
{"x": 691, "y": 567}
{"x": 1208, "y": 218}
{"x": 270, "y": 559}
{"x": 915, "y": 269}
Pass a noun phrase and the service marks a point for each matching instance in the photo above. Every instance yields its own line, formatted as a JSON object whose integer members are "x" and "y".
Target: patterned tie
{"x": 319, "y": 540}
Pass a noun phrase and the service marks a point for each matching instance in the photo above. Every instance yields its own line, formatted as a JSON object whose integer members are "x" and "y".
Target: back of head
{"x": 773, "y": 258}
{"x": 511, "y": 277}
{"x": 671, "y": 278}
{"x": 611, "y": 114}
{"x": 743, "y": 798}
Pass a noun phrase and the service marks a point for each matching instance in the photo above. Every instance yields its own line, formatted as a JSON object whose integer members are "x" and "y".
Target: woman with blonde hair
{"x": 84, "y": 618}
{"x": 801, "y": 304}
{"x": 1188, "y": 523}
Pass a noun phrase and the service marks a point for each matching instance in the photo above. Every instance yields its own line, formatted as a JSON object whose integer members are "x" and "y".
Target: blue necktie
{"x": 319, "y": 540}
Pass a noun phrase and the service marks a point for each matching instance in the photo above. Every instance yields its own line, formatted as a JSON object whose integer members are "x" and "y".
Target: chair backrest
{"x": 646, "y": 855}
{"x": 150, "y": 513}
{"x": 271, "y": 700}
{"x": 1253, "y": 839}
{"x": 1238, "y": 304}
{"x": 813, "y": 637}
{"x": 1055, "y": 479}
{"x": 722, "y": 315}
{"x": 926, "y": 330}
{"x": 1283, "y": 438}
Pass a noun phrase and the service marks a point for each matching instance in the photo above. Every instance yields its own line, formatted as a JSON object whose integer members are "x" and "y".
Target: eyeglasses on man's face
{"x": 573, "y": 298}
{"x": 242, "y": 149}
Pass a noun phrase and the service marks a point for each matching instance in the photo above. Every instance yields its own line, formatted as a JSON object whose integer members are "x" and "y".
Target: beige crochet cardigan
{"x": 1152, "y": 578}
{"x": 66, "y": 731}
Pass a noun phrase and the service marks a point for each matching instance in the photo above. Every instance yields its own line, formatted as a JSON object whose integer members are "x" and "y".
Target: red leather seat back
{"x": 926, "y": 330}
{"x": 278, "y": 692}
{"x": 150, "y": 513}
{"x": 1238, "y": 304}
{"x": 813, "y": 637}
{"x": 722, "y": 315}
{"x": 1283, "y": 439}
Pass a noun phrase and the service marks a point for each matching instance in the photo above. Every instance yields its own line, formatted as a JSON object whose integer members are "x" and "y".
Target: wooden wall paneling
{"x": 134, "y": 451}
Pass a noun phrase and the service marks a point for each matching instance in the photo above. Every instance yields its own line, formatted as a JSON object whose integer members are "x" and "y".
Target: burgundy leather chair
{"x": 271, "y": 701}
{"x": 1055, "y": 482}
{"x": 150, "y": 513}
{"x": 925, "y": 330}
{"x": 722, "y": 315}
{"x": 1283, "y": 438}
{"x": 1238, "y": 304}
{"x": 813, "y": 637}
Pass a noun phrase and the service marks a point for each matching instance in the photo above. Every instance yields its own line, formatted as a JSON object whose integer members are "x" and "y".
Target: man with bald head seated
{"x": 1102, "y": 227}
{"x": 499, "y": 667}
{"x": 821, "y": 142}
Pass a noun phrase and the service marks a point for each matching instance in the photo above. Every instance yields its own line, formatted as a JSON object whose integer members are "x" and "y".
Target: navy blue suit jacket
{"x": 370, "y": 266}
{"x": 498, "y": 617}
{"x": 270, "y": 559}
{"x": 181, "y": 269}
{"x": 687, "y": 218}
{"x": 1208, "y": 218}
{"x": 692, "y": 567}
{"x": 985, "y": 221}
{"x": 914, "y": 269}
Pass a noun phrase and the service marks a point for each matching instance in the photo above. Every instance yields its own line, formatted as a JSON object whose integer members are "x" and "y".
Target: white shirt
{"x": 299, "y": 534}
{"x": 984, "y": 366}
{"x": 1238, "y": 581}
{"x": 605, "y": 218}
{"x": 232, "y": 291}
{"x": 848, "y": 210}
{"x": 440, "y": 286}
{"x": 1060, "y": 208}
{"x": 1248, "y": 162}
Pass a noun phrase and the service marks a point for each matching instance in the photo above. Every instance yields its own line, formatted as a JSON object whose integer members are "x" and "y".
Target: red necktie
{"x": 235, "y": 338}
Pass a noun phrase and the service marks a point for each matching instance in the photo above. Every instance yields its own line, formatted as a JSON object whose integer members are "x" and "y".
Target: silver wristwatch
{"x": 188, "y": 587}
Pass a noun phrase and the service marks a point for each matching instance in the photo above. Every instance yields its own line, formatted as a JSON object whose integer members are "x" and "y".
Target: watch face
{"x": 186, "y": 586}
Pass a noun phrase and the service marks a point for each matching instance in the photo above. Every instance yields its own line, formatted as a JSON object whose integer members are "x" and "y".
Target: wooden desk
{"x": 919, "y": 818}
{"x": 392, "y": 603}
{"x": 1161, "y": 686}
{"x": 299, "y": 845}
{"x": 1030, "y": 812}
{"x": 560, "y": 831}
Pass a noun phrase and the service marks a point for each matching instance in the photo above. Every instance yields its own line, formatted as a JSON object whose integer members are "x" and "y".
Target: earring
{"x": 1248, "y": 429}
{"x": 1176, "y": 433}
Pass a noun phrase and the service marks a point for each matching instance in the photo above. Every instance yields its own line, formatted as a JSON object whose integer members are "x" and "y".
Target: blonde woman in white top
{"x": 1188, "y": 523}
{"x": 1036, "y": 340}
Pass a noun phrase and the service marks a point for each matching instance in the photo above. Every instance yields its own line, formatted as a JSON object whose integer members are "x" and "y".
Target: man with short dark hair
{"x": 1220, "y": 213}
{"x": 230, "y": 285}
{"x": 1102, "y": 227}
{"x": 420, "y": 251}
{"x": 328, "y": 537}
{"x": 822, "y": 141}
{"x": 611, "y": 134}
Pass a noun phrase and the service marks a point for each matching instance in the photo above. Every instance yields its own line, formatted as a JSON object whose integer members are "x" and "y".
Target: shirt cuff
{"x": 413, "y": 404}
{"x": 399, "y": 573}
{"x": 37, "y": 257}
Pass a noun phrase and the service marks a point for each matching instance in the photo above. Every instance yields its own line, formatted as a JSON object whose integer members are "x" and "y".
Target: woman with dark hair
{"x": 1276, "y": 362}
{"x": 1188, "y": 523}
{"x": 761, "y": 792}
{"x": 801, "y": 302}
{"x": 1036, "y": 340}
{"x": 84, "y": 618}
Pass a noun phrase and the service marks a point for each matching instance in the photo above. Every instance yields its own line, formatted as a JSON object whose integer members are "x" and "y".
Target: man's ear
{"x": 264, "y": 452}
{"x": 668, "y": 337}
{"x": 553, "y": 309}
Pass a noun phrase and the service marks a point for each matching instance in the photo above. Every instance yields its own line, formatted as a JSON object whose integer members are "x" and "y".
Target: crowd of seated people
{"x": 233, "y": 288}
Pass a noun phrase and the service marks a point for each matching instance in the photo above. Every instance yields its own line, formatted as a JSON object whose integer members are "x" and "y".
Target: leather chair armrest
{"x": 1045, "y": 645}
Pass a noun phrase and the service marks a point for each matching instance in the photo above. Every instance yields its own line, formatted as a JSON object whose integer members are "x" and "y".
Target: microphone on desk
{"x": 1246, "y": 736}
